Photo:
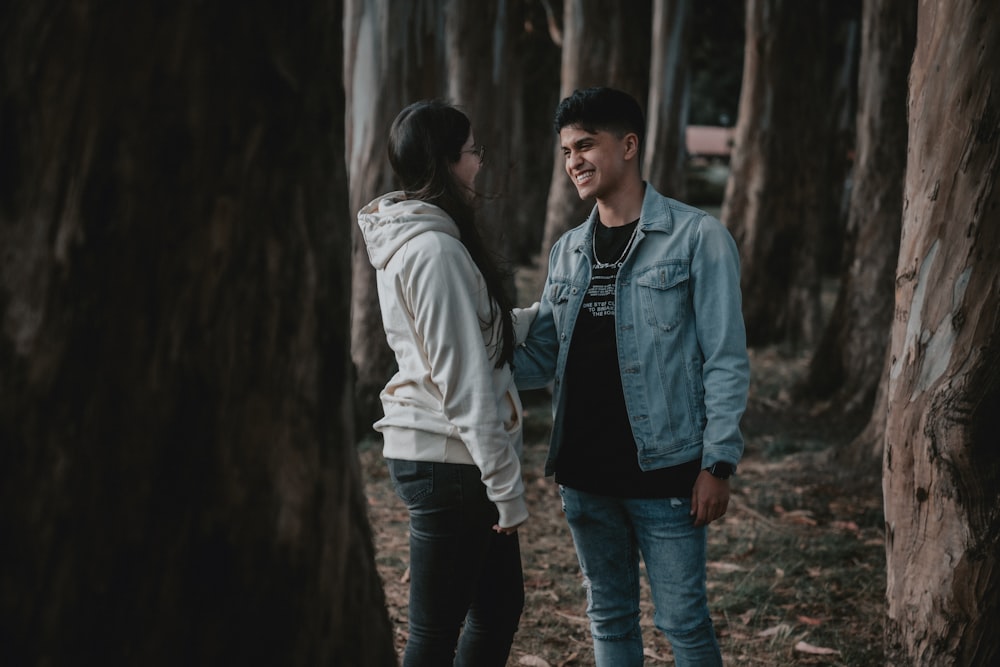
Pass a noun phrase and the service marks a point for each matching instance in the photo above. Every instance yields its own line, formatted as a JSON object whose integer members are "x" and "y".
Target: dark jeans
{"x": 460, "y": 569}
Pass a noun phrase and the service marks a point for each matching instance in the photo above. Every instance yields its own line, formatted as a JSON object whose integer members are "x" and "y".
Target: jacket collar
{"x": 655, "y": 216}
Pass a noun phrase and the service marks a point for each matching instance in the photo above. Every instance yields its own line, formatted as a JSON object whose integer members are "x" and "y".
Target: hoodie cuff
{"x": 512, "y": 512}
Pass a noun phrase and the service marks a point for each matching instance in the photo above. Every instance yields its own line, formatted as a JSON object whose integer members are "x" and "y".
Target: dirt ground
{"x": 796, "y": 567}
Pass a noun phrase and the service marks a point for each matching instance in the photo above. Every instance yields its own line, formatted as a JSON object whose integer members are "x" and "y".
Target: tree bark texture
{"x": 779, "y": 191}
{"x": 940, "y": 468}
{"x": 394, "y": 55}
{"x": 669, "y": 90}
{"x": 178, "y": 482}
{"x": 602, "y": 46}
{"x": 849, "y": 361}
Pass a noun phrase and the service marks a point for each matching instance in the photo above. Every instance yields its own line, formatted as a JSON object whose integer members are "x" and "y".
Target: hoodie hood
{"x": 389, "y": 221}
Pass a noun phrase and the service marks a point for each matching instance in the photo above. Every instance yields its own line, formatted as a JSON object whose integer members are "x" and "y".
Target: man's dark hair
{"x": 607, "y": 109}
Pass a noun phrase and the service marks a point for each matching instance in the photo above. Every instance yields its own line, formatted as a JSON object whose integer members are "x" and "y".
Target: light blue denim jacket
{"x": 681, "y": 339}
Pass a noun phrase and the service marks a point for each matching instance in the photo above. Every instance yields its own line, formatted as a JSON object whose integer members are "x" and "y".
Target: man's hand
{"x": 709, "y": 499}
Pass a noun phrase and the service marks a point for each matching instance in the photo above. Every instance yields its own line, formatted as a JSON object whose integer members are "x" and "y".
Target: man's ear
{"x": 631, "y": 143}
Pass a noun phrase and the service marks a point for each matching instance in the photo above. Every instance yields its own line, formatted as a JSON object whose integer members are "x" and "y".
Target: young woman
{"x": 452, "y": 425}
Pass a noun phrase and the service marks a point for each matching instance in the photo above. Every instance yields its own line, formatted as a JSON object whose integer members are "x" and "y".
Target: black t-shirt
{"x": 598, "y": 452}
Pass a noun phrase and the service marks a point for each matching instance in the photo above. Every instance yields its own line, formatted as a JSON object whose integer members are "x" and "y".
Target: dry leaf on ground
{"x": 803, "y": 647}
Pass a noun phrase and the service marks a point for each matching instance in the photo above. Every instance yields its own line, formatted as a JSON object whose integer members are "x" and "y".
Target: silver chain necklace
{"x": 598, "y": 264}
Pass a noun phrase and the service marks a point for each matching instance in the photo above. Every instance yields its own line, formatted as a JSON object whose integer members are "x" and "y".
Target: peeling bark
{"x": 943, "y": 395}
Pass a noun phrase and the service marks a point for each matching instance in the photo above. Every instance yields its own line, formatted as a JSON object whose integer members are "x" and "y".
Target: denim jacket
{"x": 681, "y": 339}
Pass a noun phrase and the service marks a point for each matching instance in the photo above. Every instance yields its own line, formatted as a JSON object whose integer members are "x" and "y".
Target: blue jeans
{"x": 609, "y": 534}
{"x": 461, "y": 571}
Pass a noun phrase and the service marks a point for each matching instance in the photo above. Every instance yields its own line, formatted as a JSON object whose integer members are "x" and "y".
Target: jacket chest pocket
{"x": 561, "y": 294}
{"x": 663, "y": 292}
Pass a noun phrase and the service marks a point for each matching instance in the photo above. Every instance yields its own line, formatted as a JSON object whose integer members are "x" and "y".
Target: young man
{"x": 640, "y": 330}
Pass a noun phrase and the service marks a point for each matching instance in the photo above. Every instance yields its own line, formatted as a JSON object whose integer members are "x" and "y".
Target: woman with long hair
{"x": 452, "y": 425}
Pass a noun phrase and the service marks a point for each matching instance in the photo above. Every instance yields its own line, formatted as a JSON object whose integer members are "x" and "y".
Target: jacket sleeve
{"x": 523, "y": 318}
{"x": 721, "y": 335}
{"x": 444, "y": 291}
{"x": 535, "y": 356}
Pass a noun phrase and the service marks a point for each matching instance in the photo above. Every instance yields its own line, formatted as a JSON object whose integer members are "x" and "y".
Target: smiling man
{"x": 640, "y": 330}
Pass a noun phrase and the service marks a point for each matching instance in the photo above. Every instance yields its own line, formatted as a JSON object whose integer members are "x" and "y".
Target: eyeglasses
{"x": 479, "y": 151}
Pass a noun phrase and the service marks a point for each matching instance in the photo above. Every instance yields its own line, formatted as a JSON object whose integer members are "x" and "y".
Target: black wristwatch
{"x": 720, "y": 470}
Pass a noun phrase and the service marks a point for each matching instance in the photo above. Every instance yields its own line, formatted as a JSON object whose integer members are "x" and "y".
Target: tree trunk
{"x": 533, "y": 100}
{"x": 602, "y": 46}
{"x": 778, "y": 194}
{"x": 393, "y": 56}
{"x": 849, "y": 361}
{"x": 179, "y": 483}
{"x": 941, "y": 474}
{"x": 481, "y": 77}
{"x": 842, "y": 101}
{"x": 669, "y": 75}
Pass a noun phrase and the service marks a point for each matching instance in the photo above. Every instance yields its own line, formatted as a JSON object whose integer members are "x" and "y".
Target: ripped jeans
{"x": 610, "y": 534}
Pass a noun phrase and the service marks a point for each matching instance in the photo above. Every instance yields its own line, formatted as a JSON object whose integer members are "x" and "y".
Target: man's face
{"x": 597, "y": 162}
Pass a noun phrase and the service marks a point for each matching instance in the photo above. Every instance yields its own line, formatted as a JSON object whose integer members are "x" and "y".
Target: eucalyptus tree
{"x": 602, "y": 45}
{"x": 394, "y": 54}
{"x": 777, "y": 201}
{"x": 849, "y": 361}
{"x": 179, "y": 483}
{"x": 940, "y": 475}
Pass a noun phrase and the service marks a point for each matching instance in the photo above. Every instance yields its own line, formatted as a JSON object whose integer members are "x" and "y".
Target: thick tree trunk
{"x": 669, "y": 76}
{"x": 848, "y": 362}
{"x": 393, "y": 55}
{"x": 178, "y": 481}
{"x": 778, "y": 194}
{"x": 602, "y": 46}
{"x": 941, "y": 474}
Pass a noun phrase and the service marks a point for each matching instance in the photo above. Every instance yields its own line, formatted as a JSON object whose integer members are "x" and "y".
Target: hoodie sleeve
{"x": 444, "y": 290}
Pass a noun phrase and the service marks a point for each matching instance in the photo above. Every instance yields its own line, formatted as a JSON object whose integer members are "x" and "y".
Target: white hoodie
{"x": 447, "y": 402}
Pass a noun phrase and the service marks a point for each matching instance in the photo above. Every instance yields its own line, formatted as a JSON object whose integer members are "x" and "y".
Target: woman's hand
{"x": 510, "y": 530}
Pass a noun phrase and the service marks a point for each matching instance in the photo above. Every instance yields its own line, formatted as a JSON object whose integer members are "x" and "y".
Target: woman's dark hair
{"x": 425, "y": 140}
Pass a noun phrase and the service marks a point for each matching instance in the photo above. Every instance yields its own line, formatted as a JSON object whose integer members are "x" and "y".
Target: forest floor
{"x": 796, "y": 567}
